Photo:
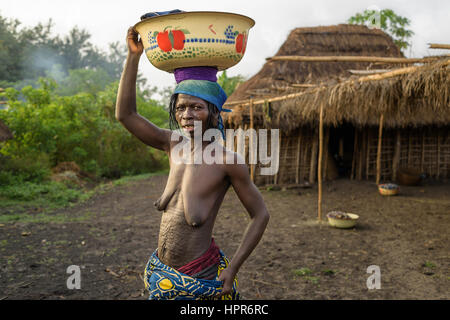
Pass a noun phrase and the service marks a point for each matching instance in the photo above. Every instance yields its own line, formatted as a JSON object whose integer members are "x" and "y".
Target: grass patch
{"x": 43, "y": 218}
{"x": 302, "y": 272}
{"x": 306, "y": 274}
{"x": 429, "y": 264}
{"x": 18, "y": 200}
{"x": 127, "y": 179}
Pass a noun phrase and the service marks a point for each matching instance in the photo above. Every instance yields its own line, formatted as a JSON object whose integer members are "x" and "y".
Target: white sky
{"x": 108, "y": 20}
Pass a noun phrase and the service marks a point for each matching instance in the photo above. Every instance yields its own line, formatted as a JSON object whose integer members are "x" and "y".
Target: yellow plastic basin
{"x": 191, "y": 39}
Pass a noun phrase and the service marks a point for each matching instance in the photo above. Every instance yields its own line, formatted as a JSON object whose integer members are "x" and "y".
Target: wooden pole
{"x": 361, "y": 153}
{"x": 297, "y": 169}
{"x": 367, "y": 72}
{"x": 252, "y": 166}
{"x": 422, "y": 158}
{"x": 350, "y": 59}
{"x": 396, "y": 159}
{"x": 438, "y": 46}
{"x": 303, "y": 85}
{"x": 319, "y": 170}
{"x": 369, "y": 136}
{"x": 313, "y": 163}
{"x": 355, "y": 146}
{"x": 438, "y": 156}
{"x": 380, "y": 139}
{"x": 325, "y": 153}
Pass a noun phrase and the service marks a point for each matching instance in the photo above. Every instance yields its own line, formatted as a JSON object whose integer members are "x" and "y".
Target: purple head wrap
{"x": 196, "y": 73}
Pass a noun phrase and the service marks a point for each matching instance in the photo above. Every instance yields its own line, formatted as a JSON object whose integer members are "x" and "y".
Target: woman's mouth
{"x": 188, "y": 127}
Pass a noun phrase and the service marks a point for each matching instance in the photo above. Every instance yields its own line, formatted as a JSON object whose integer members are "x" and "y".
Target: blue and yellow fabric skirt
{"x": 166, "y": 283}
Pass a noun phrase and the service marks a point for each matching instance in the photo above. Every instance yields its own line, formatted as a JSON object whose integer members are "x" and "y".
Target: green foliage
{"x": 50, "y": 128}
{"x": 229, "y": 84}
{"x": 393, "y": 24}
{"x": 32, "y": 52}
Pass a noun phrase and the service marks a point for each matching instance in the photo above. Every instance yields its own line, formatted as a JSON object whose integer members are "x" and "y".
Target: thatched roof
{"x": 341, "y": 40}
{"x": 5, "y": 133}
{"x": 417, "y": 98}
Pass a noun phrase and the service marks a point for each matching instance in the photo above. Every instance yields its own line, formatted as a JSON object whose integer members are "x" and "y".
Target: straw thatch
{"x": 417, "y": 98}
{"x": 342, "y": 40}
{"x": 420, "y": 98}
{"x": 5, "y": 133}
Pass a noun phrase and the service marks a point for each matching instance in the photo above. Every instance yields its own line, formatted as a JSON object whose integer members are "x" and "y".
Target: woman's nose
{"x": 187, "y": 114}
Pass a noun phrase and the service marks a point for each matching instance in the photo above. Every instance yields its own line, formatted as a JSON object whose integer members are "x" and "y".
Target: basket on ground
{"x": 342, "y": 220}
{"x": 191, "y": 39}
{"x": 388, "y": 189}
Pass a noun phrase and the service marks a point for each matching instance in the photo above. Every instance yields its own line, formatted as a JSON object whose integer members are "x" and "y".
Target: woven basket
{"x": 384, "y": 191}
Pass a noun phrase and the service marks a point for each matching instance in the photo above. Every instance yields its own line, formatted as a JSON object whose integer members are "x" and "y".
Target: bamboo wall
{"x": 425, "y": 149}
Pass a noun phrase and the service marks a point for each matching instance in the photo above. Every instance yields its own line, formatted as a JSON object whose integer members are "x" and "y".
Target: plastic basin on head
{"x": 190, "y": 39}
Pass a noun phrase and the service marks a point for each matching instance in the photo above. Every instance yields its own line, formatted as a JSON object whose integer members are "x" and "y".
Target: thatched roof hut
{"x": 412, "y": 104}
{"x": 276, "y": 77}
{"x": 5, "y": 133}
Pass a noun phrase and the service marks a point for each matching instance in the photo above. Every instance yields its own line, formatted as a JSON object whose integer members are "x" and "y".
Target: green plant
{"x": 389, "y": 22}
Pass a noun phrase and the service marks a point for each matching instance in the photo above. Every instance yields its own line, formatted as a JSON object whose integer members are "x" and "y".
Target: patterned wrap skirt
{"x": 166, "y": 283}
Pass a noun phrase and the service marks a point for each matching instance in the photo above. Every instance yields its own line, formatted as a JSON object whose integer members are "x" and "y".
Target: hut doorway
{"x": 341, "y": 145}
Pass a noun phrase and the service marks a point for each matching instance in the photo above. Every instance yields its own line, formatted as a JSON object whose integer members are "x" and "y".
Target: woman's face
{"x": 189, "y": 109}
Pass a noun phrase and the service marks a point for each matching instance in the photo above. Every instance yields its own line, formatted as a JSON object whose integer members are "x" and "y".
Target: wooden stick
{"x": 304, "y": 156}
{"x": 325, "y": 153}
{"x": 409, "y": 148}
{"x": 396, "y": 159}
{"x": 366, "y": 72}
{"x": 349, "y": 59}
{"x": 303, "y": 85}
{"x": 438, "y": 46}
{"x": 380, "y": 138}
{"x": 355, "y": 145}
{"x": 313, "y": 163}
{"x": 297, "y": 169}
{"x": 438, "y": 156}
{"x": 252, "y": 166}
{"x": 422, "y": 159}
{"x": 369, "y": 135}
{"x": 319, "y": 170}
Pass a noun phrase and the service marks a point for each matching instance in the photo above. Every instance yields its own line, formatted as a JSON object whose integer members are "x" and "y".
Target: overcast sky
{"x": 108, "y": 20}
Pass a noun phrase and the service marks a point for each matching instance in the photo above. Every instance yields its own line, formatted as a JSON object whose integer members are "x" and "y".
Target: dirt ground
{"x": 407, "y": 236}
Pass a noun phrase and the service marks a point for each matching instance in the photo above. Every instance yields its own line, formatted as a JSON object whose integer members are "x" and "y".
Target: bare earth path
{"x": 407, "y": 236}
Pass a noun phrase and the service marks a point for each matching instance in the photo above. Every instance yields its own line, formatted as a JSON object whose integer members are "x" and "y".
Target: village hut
{"x": 371, "y": 127}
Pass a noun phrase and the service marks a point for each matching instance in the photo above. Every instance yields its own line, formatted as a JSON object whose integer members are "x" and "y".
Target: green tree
{"x": 229, "y": 84}
{"x": 388, "y": 21}
{"x": 32, "y": 52}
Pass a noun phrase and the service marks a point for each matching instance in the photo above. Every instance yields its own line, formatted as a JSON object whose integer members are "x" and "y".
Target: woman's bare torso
{"x": 190, "y": 203}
